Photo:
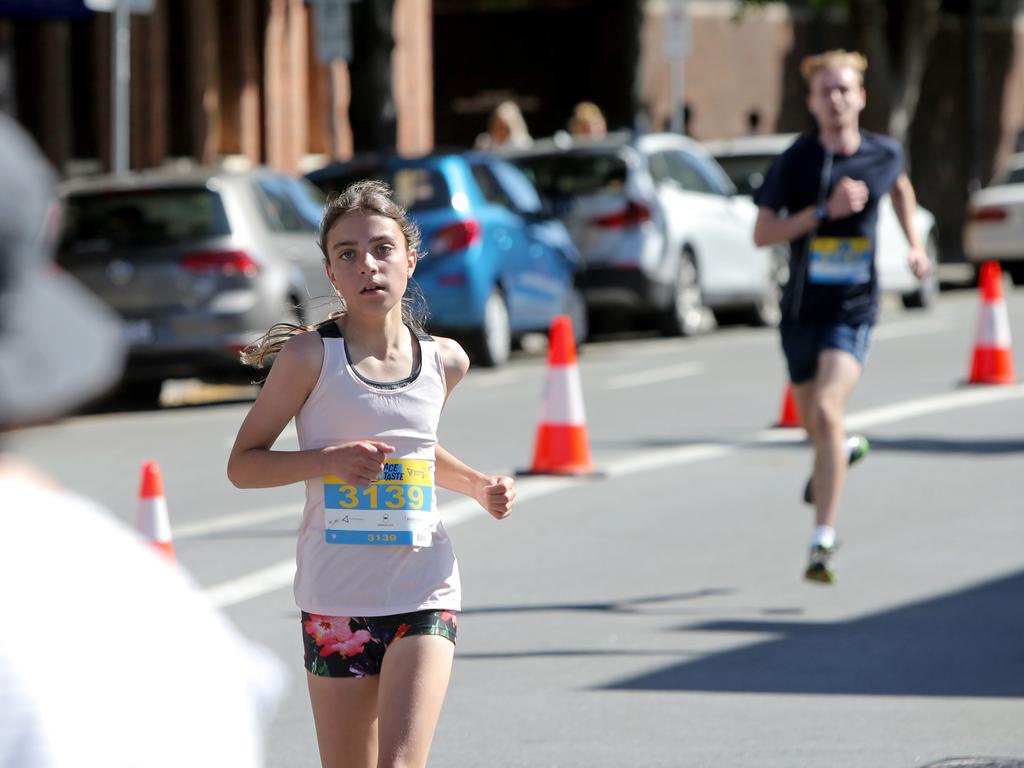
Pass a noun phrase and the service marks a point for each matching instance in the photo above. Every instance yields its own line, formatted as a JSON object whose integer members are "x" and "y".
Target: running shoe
{"x": 818, "y": 565}
{"x": 857, "y": 447}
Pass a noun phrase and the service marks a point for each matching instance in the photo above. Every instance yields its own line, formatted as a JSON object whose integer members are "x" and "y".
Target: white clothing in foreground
{"x": 109, "y": 655}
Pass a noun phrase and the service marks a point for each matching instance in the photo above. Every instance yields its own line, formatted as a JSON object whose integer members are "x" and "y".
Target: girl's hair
{"x": 812, "y": 65}
{"x": 368, "y": 197}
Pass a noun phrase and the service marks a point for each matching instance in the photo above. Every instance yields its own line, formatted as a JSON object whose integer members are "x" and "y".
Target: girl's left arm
{"x": 495, "y": 493}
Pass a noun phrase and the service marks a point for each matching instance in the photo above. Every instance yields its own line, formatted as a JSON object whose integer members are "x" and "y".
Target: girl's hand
{"x": 358, "y": 463}
{"x": 497, "y": 495}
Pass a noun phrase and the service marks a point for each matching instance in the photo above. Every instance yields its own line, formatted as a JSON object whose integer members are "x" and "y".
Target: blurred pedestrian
{"x": 377, "y": 581}
{"x": 822, "y": 196}
{"x": 109, "y": 656}
{"x": 587, "y": 121}
{"x": 753, "y": 122}
{"x": 506, "y": 127}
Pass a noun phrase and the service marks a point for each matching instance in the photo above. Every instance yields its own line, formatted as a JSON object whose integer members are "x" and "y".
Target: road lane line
{"x": 491, "y": 380}
{"x": 654, "y": 375}
{"x": 238, "y": 520}
{"x": 962, "y": 398}
{"x": 905, "y": 328}
{"x": 277, "y": 576}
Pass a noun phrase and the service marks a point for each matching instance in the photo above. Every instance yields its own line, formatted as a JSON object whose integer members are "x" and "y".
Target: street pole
{"x": 121, "y": 79}
{"x": 676, "y": 47}
{"x": 677, "y": 93}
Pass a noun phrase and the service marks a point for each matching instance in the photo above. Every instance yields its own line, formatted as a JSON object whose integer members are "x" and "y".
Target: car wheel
{"x": 576, "y": 309}
{"x": 492, "y": 344}
{"x": 767, "y": 310}
{"x": 928, "y": 288}
{"x": 1016, "y": 273}
{"x": 686, "y": 313}
{"x": 142, "y": 394}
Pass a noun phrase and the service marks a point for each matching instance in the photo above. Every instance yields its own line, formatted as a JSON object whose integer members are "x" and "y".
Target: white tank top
{"x": 380, "y": 578}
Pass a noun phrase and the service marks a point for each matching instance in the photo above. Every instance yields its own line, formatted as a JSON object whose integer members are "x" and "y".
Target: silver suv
{"x": 197, "y": 262}
{"x": 660, "y": 227}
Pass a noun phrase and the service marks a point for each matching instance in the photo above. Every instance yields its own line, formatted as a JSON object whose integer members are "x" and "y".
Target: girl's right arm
{"x": 252, "y": 463}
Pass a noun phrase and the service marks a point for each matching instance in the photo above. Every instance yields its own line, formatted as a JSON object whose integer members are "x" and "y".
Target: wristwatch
{"x": 821, "y": 212}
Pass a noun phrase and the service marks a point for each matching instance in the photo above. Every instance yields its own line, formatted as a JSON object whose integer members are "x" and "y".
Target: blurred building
{"x": 209, "y": 79}
{"x": 216, "y": 79}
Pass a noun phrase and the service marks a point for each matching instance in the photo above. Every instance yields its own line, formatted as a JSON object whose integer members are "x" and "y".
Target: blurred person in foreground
{"x": 821, "y": 196}
{"x": 506, "y": 127}
{"x": 109, "y": 655}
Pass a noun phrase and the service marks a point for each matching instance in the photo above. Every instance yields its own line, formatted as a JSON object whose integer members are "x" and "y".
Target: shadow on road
{"x": 976, "y": 446}
{"x": 963, "y": 644}
{"x": 628, "y": 605}
{"x": 909, "y": 444}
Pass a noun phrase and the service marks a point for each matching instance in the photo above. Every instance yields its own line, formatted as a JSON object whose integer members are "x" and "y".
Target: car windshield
{"x": 567, "y": 175}
{"x": 143, "y": 217}
{"x": 746, "y": 171}
{"x": 416, "y": 189}
{"x": 1012, "y": 176}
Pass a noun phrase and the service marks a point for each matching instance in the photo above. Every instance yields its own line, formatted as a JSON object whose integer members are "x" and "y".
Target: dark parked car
{"x": 495, "y": 265}
{"x": 198, "y": 263}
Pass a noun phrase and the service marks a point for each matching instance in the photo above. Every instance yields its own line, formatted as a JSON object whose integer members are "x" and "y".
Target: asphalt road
{"x": 656, "y": 616}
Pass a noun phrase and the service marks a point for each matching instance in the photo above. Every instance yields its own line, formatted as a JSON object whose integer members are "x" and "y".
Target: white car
{"x": 660, "y": 227}
{"x": 747, "y": 160}
{"x": 994, "y": 229}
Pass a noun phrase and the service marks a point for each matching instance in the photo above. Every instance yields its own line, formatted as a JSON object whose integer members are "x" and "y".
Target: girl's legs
{"x": 413, "y": 681}
{"x": 345, "y": 715}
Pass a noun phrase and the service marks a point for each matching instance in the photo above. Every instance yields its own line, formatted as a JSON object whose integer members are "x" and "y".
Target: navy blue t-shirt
{"x": 829, "y": 286}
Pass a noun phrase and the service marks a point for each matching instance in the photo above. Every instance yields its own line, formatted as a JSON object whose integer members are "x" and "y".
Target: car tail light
{"x": 455, "y": 237}
{"x": 632, "y": 215}
{"x": 224, "y": 262}
{"x": 989, "y": 213}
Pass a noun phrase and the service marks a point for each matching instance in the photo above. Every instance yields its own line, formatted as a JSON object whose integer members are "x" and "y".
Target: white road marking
{"x": 491, "y": 380}
{"x": 239, "y": 520}
{"x": 279, "y": 575}
{"x": 653, "y": 375}
{"x": 907, "y": 328}
{"x": 288, "y": 435}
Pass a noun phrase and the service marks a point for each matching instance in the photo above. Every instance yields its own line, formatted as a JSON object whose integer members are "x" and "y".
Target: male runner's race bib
{"x": 840, "y": 260}
{"x": 397, "y": 508}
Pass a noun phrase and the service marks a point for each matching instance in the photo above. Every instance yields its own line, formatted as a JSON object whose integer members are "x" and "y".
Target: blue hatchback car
{"x": 494, "y": 263}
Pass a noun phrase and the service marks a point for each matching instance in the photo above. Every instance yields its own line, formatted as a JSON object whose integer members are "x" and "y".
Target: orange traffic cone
{"x": 993, "y": 356}
{"x": 562, "y": 445}
{"x": 789, "y": 415}
{"x": 152, "y": 522}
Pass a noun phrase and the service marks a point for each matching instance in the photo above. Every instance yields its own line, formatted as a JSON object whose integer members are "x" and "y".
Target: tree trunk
{"x": 895, "y": 36}
{"x": 372, "y": 108}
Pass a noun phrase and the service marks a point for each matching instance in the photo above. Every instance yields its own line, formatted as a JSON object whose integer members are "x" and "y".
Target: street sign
{"x": 332, "y": 21}
{"x": 32, "y": 9}
{"x": 132, "y": 6}
{"x": 677, "y": 30}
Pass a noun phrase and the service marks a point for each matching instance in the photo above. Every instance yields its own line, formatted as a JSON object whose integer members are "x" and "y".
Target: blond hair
{"x": 586, "y": 115}
{"x": 508, "y": 112}
{"x": 367, "y": 197}
{"x": 812, "y": 65}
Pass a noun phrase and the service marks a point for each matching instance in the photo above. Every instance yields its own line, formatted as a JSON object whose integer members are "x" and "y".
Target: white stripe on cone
{"x": 994, "y": 325}
{"x": 563, "y": 396}
{"x": 153, "y": 522}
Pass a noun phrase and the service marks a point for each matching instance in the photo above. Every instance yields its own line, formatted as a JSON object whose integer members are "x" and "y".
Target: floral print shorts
{"x": 354, "y": 646}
